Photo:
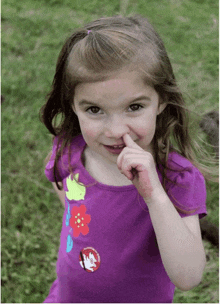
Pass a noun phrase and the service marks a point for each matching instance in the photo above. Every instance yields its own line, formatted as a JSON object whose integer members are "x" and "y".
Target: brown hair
{"x": 114, "y": 43}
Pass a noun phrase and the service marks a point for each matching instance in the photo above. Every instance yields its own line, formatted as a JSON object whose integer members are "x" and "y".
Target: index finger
{"x": 129, "y": 142}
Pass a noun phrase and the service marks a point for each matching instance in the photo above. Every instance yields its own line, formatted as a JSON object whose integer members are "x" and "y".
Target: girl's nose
{"x": 115, "y": 127}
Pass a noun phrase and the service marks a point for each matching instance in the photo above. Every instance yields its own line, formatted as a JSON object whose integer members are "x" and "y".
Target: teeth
{"x": 118, "y": 146}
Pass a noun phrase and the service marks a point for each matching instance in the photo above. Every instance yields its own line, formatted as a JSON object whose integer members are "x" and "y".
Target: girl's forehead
{"x": 119, "y": 90}
{"x": 124, "y": 82}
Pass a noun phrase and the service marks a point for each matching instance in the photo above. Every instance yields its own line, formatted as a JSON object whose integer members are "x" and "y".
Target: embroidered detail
{"x": 79, "y": 220}
{"x": 75, "y": 191}
{"x": 69, "y": 244}
{"x": 68, "y": 215}
{"x": 89, "y": 259}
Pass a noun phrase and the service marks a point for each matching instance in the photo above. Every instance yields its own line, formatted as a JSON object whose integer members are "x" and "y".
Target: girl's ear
{"x": 73, "y": 108}
{"x": 161, "y": 108}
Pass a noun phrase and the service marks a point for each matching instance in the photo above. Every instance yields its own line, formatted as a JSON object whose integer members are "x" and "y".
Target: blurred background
{"x": 33, "y": 33}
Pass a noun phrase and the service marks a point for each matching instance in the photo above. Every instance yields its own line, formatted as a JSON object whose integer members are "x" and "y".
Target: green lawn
{"x": 33, "y": 33}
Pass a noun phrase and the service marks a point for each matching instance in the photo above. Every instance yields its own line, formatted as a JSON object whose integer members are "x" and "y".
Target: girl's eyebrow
{"x": 88, "y": 102}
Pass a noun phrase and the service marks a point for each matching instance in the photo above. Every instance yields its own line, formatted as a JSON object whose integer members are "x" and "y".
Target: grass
{"x": 32, "y": 36}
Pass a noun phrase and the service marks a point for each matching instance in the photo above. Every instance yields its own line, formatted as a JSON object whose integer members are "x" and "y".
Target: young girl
{"x": 132, "y": 201}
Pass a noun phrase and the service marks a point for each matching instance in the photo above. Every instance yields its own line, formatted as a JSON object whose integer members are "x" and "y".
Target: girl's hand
{"x": 139, "y": 167}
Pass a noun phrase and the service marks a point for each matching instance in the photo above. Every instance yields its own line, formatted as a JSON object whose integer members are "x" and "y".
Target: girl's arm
{"x": 179, "y": 241}
{"x": 61, "y": 193}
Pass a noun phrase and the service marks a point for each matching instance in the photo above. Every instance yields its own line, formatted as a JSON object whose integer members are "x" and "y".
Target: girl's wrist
{"x": 158, "y": 196}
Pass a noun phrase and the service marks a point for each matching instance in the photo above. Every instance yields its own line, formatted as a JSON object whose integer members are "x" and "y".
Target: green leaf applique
{"x": 75, "y": 191}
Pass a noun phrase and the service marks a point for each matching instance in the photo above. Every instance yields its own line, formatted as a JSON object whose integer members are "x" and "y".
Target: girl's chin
{"x": 102, "y": 154}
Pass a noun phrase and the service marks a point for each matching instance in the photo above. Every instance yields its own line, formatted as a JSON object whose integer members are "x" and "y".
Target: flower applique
{"x": 75, "y": 191}
{"x": 79, "y": 220}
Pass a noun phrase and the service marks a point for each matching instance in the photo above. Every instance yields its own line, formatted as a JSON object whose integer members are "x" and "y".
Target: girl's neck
{"x": 103, "y": 171}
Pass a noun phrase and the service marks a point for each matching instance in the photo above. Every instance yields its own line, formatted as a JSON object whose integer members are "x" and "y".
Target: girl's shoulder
{"x": 76, "y": 143}
{"x": 186, "y": 184}
{"x": 71, "y": 152}
{"x": 180, "y": 168}
{"x": 178, "y": 162}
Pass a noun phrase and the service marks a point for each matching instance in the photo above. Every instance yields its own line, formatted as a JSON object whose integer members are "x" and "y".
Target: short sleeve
{"x": 62, "y": 165}
{"x": 188, "y": 192}
{"x": 70, "y": 157}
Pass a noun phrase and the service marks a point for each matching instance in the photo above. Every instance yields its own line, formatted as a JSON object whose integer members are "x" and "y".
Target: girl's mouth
{"x": 115, "y": 149}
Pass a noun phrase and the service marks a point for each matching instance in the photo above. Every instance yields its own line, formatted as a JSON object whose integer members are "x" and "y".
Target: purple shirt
{"x": 108, "y": 249}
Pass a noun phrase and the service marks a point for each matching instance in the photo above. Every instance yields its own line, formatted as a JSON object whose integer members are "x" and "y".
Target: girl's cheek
{"x": 89, "y": 130}
{"x": 90, "y": 134}
{"x": 92, "y": 127}
{"x": 140, "y": 132}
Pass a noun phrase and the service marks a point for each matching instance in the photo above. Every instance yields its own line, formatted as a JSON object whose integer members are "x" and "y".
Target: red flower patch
{"x": 79, "y": 220}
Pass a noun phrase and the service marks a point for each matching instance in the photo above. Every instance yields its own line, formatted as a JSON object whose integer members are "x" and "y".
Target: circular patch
{"x": 89, "y": 259}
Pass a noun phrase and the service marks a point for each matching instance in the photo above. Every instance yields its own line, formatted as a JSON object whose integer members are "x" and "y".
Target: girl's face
{"x": 111, "y": 108}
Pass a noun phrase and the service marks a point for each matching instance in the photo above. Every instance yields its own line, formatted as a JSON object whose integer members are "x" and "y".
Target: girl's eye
{"x": 93, "y": 110}
{"x": 135, "y": 107}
